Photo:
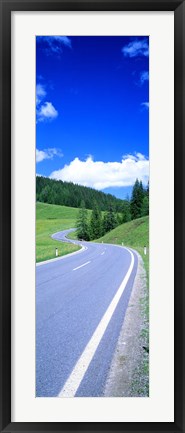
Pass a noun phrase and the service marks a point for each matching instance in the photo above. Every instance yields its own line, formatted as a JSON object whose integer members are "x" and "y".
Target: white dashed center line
{"x": 81, "y": 266}
{"x": 102, "y": 253}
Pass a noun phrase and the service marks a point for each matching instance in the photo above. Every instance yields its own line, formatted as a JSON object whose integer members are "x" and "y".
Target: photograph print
{"x": 92, "y": 216}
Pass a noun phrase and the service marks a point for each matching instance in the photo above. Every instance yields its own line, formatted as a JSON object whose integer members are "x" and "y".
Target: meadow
{"x": 51, "y": 219}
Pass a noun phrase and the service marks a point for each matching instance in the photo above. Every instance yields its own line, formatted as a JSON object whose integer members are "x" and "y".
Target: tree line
{"x": 97, "y": 225}
{"x": 69, "y": 194}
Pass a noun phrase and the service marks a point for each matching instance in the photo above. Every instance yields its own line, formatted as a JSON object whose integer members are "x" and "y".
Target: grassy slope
{"x": 135, "y": 234}
{"x": 50, "y": 219}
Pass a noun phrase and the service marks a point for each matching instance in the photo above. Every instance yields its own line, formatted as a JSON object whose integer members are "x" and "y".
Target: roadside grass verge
{"x": 73, "y": 236}
{"x": 51, "y": 219}
{"x": 140, "y": 380}
{"x": 135, "y": 234}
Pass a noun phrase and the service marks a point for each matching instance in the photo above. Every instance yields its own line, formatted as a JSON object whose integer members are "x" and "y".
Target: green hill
{"x": 133, "y": 234}
{"x": 69, "y": 194}
{"x": 51, "y": 219}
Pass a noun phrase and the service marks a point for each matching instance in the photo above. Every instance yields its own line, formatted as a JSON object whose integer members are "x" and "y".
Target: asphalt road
{"x": 81, "y": 302}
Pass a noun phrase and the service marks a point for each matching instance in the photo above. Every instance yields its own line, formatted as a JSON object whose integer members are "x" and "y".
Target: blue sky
{"x": 92, "y": 110}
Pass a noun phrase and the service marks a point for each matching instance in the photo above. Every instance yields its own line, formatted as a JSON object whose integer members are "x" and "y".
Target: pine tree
{"x": 95, "y": 223}
{"x": 104, "y": 224}
{"x": 137, "y": 200}
{"x": 126, "y": 215}
{"x": 145, "y": 206}
{"x": 46, "y": 195}
{"x": 109, "y": 220}
{"x": 82, "y": 223}
{"x": 147, "y": 189}
{"x": 118, "y": 219}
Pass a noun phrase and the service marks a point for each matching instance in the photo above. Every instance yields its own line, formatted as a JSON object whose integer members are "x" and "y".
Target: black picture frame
{"x": 6, "y": 7}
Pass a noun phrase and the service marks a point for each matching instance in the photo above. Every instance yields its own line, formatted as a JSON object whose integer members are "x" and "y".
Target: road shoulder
{"x": 128, "y": 375}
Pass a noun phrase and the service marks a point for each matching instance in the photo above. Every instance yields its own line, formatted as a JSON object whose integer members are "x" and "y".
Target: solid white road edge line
{"x": 72, "y": 383}
{"x": 81, "y": 266}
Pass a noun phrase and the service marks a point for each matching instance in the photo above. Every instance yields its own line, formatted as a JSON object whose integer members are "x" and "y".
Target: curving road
{"x": 81, "y": 302}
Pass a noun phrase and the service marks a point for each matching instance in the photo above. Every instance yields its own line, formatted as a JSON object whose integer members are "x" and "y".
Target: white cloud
{"x": 54, "y": 44}
{"x": 101, "y": 175}
{"x": 145, "y": 105}
{"x": 144, "y": 76}
{"x": 46, "y": 112}
{"x": 40, "y": 93}
{"x": 136, "y": 48}
{"x": 135, "y": 157}
{"x": 47, "y": 154}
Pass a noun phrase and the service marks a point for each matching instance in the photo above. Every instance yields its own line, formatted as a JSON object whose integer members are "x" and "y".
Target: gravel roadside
{"x": 128, "y": 375}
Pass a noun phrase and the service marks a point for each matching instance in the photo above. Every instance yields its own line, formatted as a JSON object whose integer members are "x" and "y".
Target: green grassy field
{"x": 51, "y": 219}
